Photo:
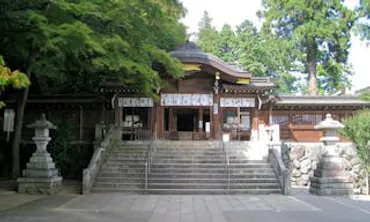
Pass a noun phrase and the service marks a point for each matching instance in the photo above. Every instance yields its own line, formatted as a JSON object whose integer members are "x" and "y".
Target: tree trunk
{"x": 18, "y": 132}
{"x": 311, "y": 66}
{"x": 19, "y": 118}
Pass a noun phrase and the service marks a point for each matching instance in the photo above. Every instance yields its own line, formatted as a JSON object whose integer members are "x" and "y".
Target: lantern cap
{"x": 329, "y": 123}
{"x": 42, "y": 123}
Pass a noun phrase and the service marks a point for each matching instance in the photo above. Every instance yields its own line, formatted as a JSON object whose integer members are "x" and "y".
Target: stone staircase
{"x": 124, "y": 169}
{"x": 186, "y": 167}
{"x": 198, "y": 167}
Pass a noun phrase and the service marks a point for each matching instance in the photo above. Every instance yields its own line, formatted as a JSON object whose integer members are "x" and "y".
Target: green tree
{"x": 226, "y": 45}
{"x": 207, "y": 34}
{"x": 74, "y": 42}
{"x": 264, "y": 54}
{"x": 356, "y": 129}
{"x": 363, "y": 25}
{"x": 320, "y": 33}
{"x": 16, "y": 79}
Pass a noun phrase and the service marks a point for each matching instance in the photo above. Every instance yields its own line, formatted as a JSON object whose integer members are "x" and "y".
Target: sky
{"x": 233, "y": 12}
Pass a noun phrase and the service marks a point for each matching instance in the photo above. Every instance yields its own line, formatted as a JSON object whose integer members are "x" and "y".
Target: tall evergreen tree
{"x": 207, "y": 34}
{"x": 226, "y": 45}
{"x": 320, "y": 32}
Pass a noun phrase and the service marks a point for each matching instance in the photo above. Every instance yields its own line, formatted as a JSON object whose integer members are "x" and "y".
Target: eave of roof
{"x": 189, "y": 53}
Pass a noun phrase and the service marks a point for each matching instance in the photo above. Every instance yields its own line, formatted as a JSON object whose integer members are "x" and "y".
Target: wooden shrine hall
{"x": 216, "y": 98}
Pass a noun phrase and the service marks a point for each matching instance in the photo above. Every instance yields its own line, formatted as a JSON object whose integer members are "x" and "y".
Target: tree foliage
{"x": 357, "y": 128}
{"x": 320, "y": 33}
{"x": 15, "y": 79}
{"x": 66, "y": 46}
{"x": 262, "y": 54}
{"x": 363, "y": 25}
{"x": 80, "y": 41}
{"x": 207, "y": 34}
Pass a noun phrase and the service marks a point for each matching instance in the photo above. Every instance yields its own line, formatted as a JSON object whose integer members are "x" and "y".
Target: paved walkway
{"x": 234, "y": 208}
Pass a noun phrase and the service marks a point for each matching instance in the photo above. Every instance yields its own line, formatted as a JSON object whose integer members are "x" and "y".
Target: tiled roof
{"x": 188, "y": 52}
{"x": 321, "y": 100}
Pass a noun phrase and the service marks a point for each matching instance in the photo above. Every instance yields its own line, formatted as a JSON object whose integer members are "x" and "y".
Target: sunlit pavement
{"x": 129, "y": 207}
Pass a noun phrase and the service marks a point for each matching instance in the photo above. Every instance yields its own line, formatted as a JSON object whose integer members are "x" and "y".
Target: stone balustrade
{"x": 100, "y": 153}
{"x": 280, "y": 170}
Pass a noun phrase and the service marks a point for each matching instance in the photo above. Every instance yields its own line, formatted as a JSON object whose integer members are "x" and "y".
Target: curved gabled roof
{"x": 189, "y": 52}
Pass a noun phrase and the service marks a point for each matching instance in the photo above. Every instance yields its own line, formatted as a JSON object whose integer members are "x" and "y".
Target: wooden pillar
{"x": 216, "y": 113}
{"x": 171, "y": 119}
{"x": 117, "y": 112}
{"x": 255, "y": 119}
{"x": 159, "y": 121}
{"x": 200, "y": 120}
{"x": 270, "y": 114}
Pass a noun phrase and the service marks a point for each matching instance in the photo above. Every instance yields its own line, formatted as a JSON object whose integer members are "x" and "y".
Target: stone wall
{"x": 303, "y": 157}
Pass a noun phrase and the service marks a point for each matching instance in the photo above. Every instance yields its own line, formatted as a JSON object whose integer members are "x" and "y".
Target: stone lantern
{"x": 40, "y": 176}
{"x": 330, "y": 177}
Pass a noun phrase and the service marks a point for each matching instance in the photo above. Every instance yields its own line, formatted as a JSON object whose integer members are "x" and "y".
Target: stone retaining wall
{"x": 303, "y": 157}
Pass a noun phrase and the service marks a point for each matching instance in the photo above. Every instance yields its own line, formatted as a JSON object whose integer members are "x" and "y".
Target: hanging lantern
{"x": 8, "y": 126}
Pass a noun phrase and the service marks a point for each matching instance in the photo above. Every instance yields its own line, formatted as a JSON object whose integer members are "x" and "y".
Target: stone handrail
{"x": 91, "y": 172}
{"x": 280, "y": 170}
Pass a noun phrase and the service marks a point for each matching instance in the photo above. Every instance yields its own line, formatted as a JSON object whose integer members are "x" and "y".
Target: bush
{"x": 357, "y": 128}
{"x": 69, "y": 158}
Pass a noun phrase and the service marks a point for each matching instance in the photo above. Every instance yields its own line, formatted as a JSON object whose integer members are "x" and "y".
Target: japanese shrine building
{"x": 215, "y": 98}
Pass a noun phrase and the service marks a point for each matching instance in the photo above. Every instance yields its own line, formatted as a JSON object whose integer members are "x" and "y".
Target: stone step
{"x": 187, "y": 153}
{"x": 213, "y": 186}
{"x": 125, "y": 156}
{"x": 189, "y": 180}
{"x": 187, "y": 156}
{"x": 121, "y": 179}
{"x": 122, "y": 171}
{"x": 207, "y": 175}
{"x": 210, "y": 170}
{"x": 119, "y": 185}
{"x": 209, "y": 165}
{"x": 115, "y": 190}
{"x": 213, "y": 191}
{"x": 153, "y": 180}
{"x": 106, "y": 174}
{"x": 128, "y": 152}
{"x": 202, "y": 161}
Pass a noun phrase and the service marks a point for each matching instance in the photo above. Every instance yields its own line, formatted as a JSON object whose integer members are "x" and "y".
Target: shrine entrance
{"x": 186, "y": 119}
{"x": 187, "y": 123}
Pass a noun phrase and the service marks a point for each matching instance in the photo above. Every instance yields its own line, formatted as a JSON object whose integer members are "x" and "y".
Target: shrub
{"x": 357, "y": 128}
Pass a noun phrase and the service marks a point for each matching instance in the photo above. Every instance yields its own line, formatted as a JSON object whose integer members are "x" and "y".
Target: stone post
{"x": 330, "y": 177}
{"x": 40, "y": 176}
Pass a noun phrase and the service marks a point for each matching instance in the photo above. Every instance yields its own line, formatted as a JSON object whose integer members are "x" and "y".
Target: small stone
{"x": 305, "y": 179}
{"x": 354, "y": 177}
{"x": 347, "y": 165}
{"x": 355, "y": 161}
{"x": 314, "y": 164}
{"x": 296, "y": 164}
{"x": 356, "y": 169}
{"x": 357, "y": 191}
{"x": 296, "y": 153}
{"x": 296, "y": 173}
{"x": 306, "y": 166}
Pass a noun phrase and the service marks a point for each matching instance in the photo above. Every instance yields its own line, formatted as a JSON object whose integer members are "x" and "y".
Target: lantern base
{"x": 41, "y": 176}
{"x": 39, "y": 185}
{"x": 330, "y": 178}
